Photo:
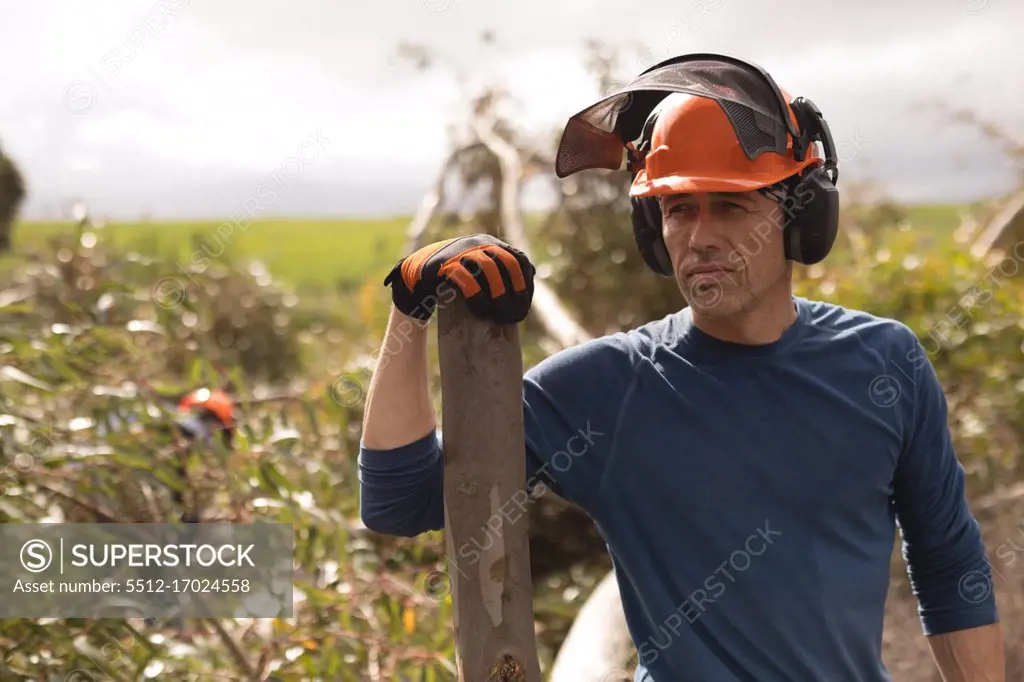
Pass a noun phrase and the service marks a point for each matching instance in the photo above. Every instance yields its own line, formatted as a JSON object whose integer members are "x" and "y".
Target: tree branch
{"x": 233, "y": 648}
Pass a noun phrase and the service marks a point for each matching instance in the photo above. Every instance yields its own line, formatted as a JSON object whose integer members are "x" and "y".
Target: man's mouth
{"x": 708, "y": 271}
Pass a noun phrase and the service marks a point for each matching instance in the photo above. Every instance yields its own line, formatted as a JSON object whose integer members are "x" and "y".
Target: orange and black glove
{"x": 496, "y": 279}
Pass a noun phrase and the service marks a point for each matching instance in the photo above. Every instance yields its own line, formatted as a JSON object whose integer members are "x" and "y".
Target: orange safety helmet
{"x": 215, "y": 401}
{"x": 694, "y": 148}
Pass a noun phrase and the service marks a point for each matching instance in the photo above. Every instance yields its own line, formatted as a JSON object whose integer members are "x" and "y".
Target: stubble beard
{"x": 720, "y": 299}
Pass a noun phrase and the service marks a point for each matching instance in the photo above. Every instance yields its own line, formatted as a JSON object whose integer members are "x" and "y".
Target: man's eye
{"x": 677, "y": 208}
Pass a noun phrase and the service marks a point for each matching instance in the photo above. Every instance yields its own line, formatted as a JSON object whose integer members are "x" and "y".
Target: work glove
{"x": 495, "y": 279}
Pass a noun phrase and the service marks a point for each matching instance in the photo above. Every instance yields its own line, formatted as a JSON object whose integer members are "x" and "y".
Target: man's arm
{"x": 974, "y": 655}
{"x": 398, "y": 409}
{"x": 401, "y": 470}
{"x": 400, "y": 465}
{"x": 946, "y": 561}
{"x": 571, "y": 401}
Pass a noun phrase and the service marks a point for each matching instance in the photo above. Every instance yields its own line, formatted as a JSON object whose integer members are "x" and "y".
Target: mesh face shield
{"x": 597, "y": 136}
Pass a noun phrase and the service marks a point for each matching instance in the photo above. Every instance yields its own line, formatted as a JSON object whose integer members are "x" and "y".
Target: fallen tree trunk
{"x": 1004, "y": 231}
{"x": 484, "y": 470}
{"x": 432, "y": 201}
{"x": 558, "y": 322}
{"x": 598, "y": 645}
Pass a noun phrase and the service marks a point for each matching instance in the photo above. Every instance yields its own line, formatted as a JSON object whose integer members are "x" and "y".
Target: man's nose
{"x": 703, "y": 234}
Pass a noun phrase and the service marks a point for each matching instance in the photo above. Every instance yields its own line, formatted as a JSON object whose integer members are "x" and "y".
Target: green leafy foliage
{"x": 93, "y": 356}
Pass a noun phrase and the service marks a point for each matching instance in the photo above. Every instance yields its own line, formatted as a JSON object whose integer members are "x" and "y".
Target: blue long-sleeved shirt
{"x": 749, "y": 495}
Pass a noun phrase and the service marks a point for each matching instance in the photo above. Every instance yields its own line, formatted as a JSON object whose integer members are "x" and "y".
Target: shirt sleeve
{"x": 946, "y": 561}
{"x": 571, "y": 401}
{"x": 402, "y": 489}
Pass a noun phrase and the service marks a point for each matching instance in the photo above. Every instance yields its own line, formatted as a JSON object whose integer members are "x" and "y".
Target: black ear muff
{"x": 646, "y": 216}
{"x": 811, "y": 205}
{"x": 646, "y": 211}
{"x": 812, "y": 223}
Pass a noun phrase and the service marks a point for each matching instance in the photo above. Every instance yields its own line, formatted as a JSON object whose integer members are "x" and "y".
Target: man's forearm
{"x": 398, "y": 409}
{"x": 973, "y": 655}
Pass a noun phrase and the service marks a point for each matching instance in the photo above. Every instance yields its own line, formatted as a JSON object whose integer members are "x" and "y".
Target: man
{"x": 746, "y": 458}
{"x": 205, "y": 416}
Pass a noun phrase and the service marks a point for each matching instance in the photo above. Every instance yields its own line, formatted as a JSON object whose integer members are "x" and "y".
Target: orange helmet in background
{"x": 216, "y": 401}
{"x": 205, "y": 412}
{"x": 694, "y": 148}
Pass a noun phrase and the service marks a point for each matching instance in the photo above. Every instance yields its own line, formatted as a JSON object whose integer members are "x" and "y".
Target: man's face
{"x": 727, "y": 249}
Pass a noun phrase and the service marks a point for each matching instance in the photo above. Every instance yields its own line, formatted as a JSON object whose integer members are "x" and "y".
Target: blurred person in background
{"x": 206, "y": 416}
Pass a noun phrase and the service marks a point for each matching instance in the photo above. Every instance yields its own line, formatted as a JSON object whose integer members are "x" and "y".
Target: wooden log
{"x": 484, "y": 475}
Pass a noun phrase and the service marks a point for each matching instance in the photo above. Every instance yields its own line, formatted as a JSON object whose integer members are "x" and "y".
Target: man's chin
{"x": 717, "y": 302}
{"x": 707, "y": 295}
{"x": 720, "y": 310}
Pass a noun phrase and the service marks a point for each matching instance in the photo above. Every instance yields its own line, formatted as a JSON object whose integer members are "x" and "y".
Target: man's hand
{"x": 495, "y": 278}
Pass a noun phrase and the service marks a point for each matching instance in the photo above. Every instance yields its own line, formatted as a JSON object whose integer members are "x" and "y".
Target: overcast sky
{"x": 183, "y": 108}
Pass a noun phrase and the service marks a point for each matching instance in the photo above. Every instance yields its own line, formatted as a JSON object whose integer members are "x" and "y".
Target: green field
{"x": 310, "y": 254}
{"x": 301, "y": 253}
